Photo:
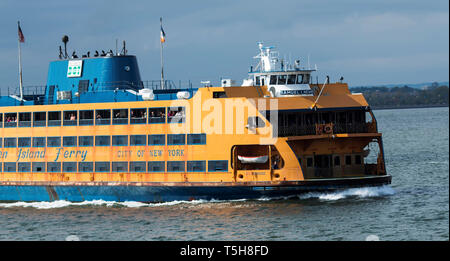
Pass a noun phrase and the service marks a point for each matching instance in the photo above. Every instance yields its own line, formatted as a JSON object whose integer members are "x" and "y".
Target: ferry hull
{"x": 22, "y": 191}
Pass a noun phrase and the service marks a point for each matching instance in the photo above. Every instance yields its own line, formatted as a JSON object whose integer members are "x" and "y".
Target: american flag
{"x": 21, "y": 37}
{"x": 163, "y": 34}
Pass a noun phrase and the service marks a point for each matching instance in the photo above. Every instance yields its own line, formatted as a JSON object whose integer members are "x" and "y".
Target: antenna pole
{"x": 162, "y": 63}
{"x": 20, "y": 67}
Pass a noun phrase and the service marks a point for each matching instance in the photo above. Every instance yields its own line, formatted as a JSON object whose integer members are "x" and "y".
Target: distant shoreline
{"x": 389, "y": 107}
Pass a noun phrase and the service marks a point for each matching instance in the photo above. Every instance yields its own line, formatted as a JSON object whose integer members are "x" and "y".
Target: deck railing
{"x": 317, "y": 129}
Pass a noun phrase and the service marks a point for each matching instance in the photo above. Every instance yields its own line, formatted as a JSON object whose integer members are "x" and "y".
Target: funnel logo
{"x": 74, "y": 68}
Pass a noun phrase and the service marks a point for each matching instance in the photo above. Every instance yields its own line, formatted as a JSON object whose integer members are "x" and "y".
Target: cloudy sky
{"x": 368, "y": 42}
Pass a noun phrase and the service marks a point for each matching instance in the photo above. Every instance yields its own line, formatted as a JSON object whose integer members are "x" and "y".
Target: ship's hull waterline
{"x": 151, "y": 192}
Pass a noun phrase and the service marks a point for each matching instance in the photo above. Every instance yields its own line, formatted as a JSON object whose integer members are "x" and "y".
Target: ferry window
{"x": 273, "y": 79}
{"x": 257, "y": 80}
{"x": 291, "y": 79}
{"x": 102, "y": 166}
{"x": 358, "y": 159}
{"x": 1, "y": 144}
{"x": 217, "y": 95}
{"x": 70, "y": 141}
{"x": 138, "y": 116}
{"x": 1, "y": 120}
{"x": 53, "y": 166}
{"x": 85, "y": 166}
{"x": 102, "y": 140}
{"x": 69, "y": 167}
{"x": 120, "y": 116}
{"x": 282, "y": 79}
{"x": 83, "y": 86}
{"x": 337, "y": 161}
{"x": 9, "y": 167}
{"x": 24, "y": 142}
{"x": 24, "y": 167}
{"x": 176, "y": 115}
{"x": 10, "y": 142}
{"x": 217, "y": 165}
{"x": 120, "y": 140}
{"x": 255, "y": 122}
{"x": 120, "y": 166}
{"x": 70, "y": 118}
{"x": 156, "y": 139}
{"x": 175, "y": 166}
{"x": 137, "y": 166}
{"x": 39, "y": 119}
{"x": 102, "y": 117}
{"x": 306, "y": 79}
{"x": 38, "y": 142}
{"x": 85, "y": 141}
{"x": 24, "y": 119}
{"x": 54, "y": 118}
{"x": 176, "y": 139}
{"x": 196, "y": 139}
{"x": 53, "y": 141}
{"x": 348, "y": 160}
{"x": 10, "y": 120}
{"x": 156, "y": 166}
{"x": 309, "y": 162}
{"x": 138, "y": 140}
{"x": 299, "y": 78}
{"x": 86, "y": 118}
{"x": 38, "y": 167}
{"x": 157, "y": 115}
{"x": 196, "y": 166}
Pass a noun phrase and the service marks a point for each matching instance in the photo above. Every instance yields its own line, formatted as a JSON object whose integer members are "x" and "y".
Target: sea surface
{"x": 414, "y": 207}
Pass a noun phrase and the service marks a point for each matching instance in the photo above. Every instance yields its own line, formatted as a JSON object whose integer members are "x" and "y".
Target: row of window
{"x": 105, "y": 166}
{"x": 357, "y": 160}
{"x": 115, "y": 140}
{"x": 93, "y": 117}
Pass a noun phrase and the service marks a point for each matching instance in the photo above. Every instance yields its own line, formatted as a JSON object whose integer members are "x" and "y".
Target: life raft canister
{"x": 327, "y": 129}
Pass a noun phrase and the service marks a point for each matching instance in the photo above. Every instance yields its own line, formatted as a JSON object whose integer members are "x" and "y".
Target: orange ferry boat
{"x": 97, "y": 132}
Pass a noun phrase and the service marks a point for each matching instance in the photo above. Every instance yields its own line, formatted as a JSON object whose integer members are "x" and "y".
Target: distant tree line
{"x": 384, "y": 97}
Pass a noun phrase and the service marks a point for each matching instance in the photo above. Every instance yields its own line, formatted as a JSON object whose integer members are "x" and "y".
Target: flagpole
{"x": 162, "y": 64}
{"x": 20, "y": 67}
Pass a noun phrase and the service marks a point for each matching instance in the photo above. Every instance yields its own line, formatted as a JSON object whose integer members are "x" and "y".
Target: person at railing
{"x": 72, "y": 117}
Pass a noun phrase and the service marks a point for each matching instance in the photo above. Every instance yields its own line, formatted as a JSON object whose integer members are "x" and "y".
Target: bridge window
{"x": 156, "y": 166}
{"x": 53, "y": 141}
{"x": 24, "y": 167}
{"x": 176, "y": 139}
{"x": 10, "y": 142}
{"x": 102, "y": 117}
{"x": 24, "y": 119}
{"x": 255, "y": 122}
{"x": 157, "y": 115}
{"x": 282, "y": 79}
{"x": 273, "y": 79}
{"x": 176, "y": 115}
{"x": 69, "y": 167}
{"x": 86, "y": 118}
{"x": 291, "y": 79}
{"x": 70, "y": 141}
{"x": 138, "y": 116}
{"x": 84, "y": 141}
{"x": 120, "y": 166}
{"x": 54, "y": 118}
{"x": 102, "y": 140}
{"x": 137, "y": 166}
{"x": 138, "y": 140}
{"x": 337, "y": 161}
{"x": 83, "y": 86}
{"x": 10, "y": 120}
{"x": 102, "y": 166}
{"x": 175, "y": 166}
{"x": 196, "y": 166}
{"x": 257, "y": 80}
{"x": 217, "y": 165}
{"x": 120, "y": 140}
{"x": 53, "y": 166}
{"x": 70, "y": 118}
{"x": 24, "y": 142}
{"x": 9, "y": 167}
{"x": 120, "y": 116}
{"x": 156, "y": 139}
{"x": 299, "y": 78}
{"x": 218, "y": 95}
{"x": 196, "y": 139}
{"x": 39, "y": 119}
{"x": 348, "y": 160}
{"x": 358, "y": 160}
{"x": 38, "y": 167}
{"x": 85, "y": 166}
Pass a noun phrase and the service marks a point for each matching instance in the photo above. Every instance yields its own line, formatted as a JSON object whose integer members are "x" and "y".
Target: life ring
{"x": 327, "y": 129}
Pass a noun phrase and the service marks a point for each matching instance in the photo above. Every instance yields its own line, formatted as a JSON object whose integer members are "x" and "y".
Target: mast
{"x": 163, "y": 39}
{"x": 20, "y": 39}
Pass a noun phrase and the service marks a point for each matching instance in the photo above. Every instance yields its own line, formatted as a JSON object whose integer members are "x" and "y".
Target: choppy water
{"x": 414, "y": 207}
